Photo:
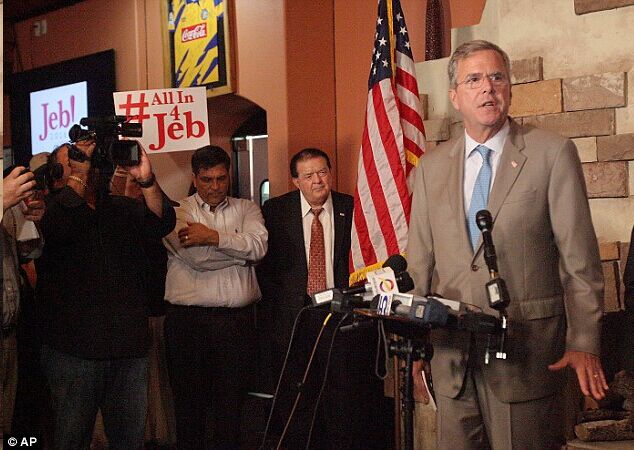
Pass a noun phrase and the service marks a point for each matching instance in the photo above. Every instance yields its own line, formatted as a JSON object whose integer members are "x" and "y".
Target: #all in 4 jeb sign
{"x": 173, "y": 119}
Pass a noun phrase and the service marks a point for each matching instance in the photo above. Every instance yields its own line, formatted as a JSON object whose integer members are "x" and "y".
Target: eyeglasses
{"x": 475, "y": 80}
{"x": 320, "y": 173}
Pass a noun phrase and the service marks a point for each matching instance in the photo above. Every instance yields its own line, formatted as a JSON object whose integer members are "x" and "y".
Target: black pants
{"x": 32, "y": 412}
{"x": 210, "y": 356}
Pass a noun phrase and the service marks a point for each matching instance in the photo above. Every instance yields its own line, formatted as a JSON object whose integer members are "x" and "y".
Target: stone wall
{"x": 588, "y": 6}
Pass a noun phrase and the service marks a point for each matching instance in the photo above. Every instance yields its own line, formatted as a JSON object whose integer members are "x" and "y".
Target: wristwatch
{"x": 144, "y": 184}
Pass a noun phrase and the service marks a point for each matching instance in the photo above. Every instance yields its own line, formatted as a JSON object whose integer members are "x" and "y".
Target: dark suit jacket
{"x": 283, "y": 274}
{"x": 547, "y": 254}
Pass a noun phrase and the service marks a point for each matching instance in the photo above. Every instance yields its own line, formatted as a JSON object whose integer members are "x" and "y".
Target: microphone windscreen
{"x": 404, "y": 282}
{"x": 484, "y": 220}
{"x": 397, "y": 263}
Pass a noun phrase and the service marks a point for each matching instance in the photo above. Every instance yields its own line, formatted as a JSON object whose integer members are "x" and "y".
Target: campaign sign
{"x": 53, "y": 112}
{"x": 173, "y": 119}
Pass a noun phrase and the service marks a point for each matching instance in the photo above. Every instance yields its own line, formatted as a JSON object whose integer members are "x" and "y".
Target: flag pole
{"x": 396, "y": 364}
{"x": 390, "y": 25}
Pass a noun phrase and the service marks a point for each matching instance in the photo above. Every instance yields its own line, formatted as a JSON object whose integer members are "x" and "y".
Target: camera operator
{"x": 20, "y": 241}
{"x": 93, "y": 289}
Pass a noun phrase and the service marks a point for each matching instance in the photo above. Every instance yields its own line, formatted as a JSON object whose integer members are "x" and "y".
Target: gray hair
{"x": 467, "y": 49}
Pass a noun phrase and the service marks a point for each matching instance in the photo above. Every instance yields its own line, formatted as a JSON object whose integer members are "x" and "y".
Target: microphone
{"x": 403, "y": 281}
{"x": 348, "y": 299}
{"x": 438, "y": 312}
{"x": 423, "y": 310}
{"x": 484, "y": 221}
{"x": 395, "y": 262}
{"x": 497, "y": 292}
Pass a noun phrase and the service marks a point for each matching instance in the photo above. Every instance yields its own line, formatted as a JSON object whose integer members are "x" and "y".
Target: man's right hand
{"x": 34, "y": 210}
{"x": 88, "y": 148}
{"x": 17, "y": 186}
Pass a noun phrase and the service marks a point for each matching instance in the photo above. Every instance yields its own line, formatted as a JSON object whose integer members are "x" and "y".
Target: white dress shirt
{"x": 205, "y": 275}
{"x": 328, "y": 223}
{"x": 473, "y": 160}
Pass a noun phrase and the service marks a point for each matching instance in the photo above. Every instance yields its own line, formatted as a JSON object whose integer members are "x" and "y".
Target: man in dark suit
{"x": 532, "y": 183}
{"x": 309, "y": 242}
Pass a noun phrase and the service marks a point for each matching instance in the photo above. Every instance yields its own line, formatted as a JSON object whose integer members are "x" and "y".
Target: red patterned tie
{"x": 317, "y": 258}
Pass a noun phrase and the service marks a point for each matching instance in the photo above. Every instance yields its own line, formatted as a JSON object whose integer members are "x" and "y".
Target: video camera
{"x": 46, "y": 174}
{"x": 105, "y": 131}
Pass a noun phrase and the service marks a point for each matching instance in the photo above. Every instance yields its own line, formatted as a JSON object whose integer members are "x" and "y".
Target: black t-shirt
{"x": 92, "y": 275}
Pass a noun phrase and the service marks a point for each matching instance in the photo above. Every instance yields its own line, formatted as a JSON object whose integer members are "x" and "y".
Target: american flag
{"x": 393, "y": 141}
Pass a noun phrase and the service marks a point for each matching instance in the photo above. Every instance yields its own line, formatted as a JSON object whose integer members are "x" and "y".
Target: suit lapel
{"x": 456, "y": 188}
{"x": 509, "y": 167}
{"x": 339, "y": 221}
{"x": 296, "y": 231}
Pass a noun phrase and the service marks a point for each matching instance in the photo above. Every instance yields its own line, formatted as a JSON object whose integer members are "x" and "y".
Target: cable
{"x": 381, "y": 338}
{"x": 299, "y": 393}
{"x": 323, "y": 383}
{"x": 279, "y": 381}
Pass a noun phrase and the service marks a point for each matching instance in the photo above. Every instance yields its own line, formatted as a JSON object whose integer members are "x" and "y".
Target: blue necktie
{"x": 480, "y": 196}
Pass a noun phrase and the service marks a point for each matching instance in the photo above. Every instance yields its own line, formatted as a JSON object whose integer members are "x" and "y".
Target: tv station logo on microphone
{"x": 384, "y": 285}
{"x": 33, "y": 441}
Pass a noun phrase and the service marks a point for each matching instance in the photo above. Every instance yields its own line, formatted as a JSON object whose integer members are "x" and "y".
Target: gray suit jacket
{"x": 547, "y": 254}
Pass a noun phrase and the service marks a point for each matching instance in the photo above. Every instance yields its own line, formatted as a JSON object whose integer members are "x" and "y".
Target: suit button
{"x": 475, "y": 267}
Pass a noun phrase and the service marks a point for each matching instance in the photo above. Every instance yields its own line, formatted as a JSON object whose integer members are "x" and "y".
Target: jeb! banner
{"x": 172, "y": 119}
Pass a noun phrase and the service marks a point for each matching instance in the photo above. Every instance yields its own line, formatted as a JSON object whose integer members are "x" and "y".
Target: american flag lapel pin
{"x": 514, "y": 164}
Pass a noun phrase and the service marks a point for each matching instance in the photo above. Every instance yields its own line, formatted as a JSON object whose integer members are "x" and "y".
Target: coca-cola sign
{"x": 194, "y": 32}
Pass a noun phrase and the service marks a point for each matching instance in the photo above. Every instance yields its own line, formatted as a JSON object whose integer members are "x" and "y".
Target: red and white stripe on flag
{"x": 393, "y": 140}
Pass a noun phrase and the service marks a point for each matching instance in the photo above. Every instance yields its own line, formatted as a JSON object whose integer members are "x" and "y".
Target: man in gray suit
{"x": 532, "y": 183}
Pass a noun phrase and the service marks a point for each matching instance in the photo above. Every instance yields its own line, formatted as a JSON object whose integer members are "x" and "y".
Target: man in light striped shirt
{"x": 211, "y": 287}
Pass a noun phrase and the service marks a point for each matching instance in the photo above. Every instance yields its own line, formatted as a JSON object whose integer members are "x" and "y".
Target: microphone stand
{"x": 497, "y": 292}
{"x": 409, "y": 350}
{"x": 411, "y": 344}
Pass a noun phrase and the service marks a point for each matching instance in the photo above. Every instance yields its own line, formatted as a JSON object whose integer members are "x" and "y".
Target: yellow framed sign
{"x": 197, "y": 44}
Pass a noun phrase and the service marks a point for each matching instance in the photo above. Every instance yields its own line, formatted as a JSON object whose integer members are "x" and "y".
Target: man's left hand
{"x": 589, "y": 372}
{"x": 197, "y": 234}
